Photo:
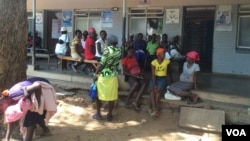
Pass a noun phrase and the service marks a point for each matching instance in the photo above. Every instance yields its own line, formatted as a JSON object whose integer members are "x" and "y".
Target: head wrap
{"x": 159, "y": 50}
{"x": 5, "y": 92}
{"x": 112, "y": 39}
{"x": 91, "y": 30}
{"x": 193, "y": 55}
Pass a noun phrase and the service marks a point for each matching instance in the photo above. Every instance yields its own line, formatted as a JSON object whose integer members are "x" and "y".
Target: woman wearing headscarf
{"x": 106, "y": 77}
{"x": 188, "y": 79}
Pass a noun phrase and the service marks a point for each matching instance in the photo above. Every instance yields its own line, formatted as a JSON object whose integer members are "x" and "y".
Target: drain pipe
{"x": 34, "y": 32}
{"x": 124, "y": 7}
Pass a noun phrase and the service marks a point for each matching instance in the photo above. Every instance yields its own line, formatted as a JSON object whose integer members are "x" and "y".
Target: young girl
{"x": 135, "y": 79}
{"x": 159, "y": 79}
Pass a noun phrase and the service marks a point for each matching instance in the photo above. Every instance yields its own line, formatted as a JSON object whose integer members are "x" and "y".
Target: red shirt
{"x": 89, "y": 43}
{"x": 130, "y": 62}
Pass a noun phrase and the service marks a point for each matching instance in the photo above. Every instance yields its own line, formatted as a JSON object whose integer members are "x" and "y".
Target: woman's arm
{"x": 78, "y": 52}
{"x": 195, "y": 80}
{"x": 99, "y": 48}
{"x": 153, "y": 76}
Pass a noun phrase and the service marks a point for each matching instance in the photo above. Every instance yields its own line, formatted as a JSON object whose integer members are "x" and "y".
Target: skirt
{"x": 181, "y": 87}
{"x": 107, "y": 88}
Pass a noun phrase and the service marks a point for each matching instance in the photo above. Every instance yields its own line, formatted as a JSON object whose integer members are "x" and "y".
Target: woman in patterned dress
{"x": 106, "y": 77}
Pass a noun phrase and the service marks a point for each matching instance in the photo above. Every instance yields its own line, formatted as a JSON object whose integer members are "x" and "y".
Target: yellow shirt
{"x": 161, "y": 69}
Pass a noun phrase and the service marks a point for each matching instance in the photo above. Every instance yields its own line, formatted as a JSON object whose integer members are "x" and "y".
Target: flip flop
{"x": 136, "y": 107}
{"x": 154, "y": 114}
{"x": 109, "y": 117}
{"x": 97, "y": 116}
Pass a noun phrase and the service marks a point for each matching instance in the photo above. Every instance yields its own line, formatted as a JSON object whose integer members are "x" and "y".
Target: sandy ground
{"x": 73, "y": 122}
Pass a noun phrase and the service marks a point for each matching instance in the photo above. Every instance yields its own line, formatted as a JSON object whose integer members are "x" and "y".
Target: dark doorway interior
{"x": 50, "y": 43}
{"x": 198, "y": 34}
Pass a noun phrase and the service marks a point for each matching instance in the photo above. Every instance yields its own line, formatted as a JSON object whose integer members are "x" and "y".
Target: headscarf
{"x": 91, "y": 30}
{"x": 193, "y": 55}
{"x": 5, "y": 92}
{"x": 159, "y": 50}
{"x": 112, "y": 39}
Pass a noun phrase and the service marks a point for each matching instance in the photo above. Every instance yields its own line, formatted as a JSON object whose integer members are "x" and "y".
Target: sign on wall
{"x": 56, "y": 27}
{"x": 172, "y": 16}
{"x": 107, "y": 18}
{"x": 223, "y": 18}
{"x": 67, "y": 17}
{"x": 39, "y": 23}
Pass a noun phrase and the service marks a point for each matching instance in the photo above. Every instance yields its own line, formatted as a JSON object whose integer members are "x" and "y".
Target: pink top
{"x": 15, "y": 112}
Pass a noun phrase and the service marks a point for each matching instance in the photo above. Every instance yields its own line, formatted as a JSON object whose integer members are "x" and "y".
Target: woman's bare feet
{"x": 195, "y": 98}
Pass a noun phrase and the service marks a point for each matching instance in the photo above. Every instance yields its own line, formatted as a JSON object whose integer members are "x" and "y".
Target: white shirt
{"x": 187, "y": 74}
{"x": 62, "y": 48}
{"x": 83, "y": 43}
{"x": 103, "y": 45}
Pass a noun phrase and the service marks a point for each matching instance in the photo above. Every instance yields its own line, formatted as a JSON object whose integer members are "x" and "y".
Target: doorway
{"x": 198, "y": 34}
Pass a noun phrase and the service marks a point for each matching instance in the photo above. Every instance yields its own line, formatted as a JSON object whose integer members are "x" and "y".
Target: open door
{"x": 198, "y": 33}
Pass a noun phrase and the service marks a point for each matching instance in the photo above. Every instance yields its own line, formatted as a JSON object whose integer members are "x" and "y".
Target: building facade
{"x": 218, "y": 30}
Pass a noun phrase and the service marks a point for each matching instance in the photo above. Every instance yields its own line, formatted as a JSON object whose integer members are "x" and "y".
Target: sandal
{"x": 97, "y": 116}
{"x": 154, "y": 114}
{"x": 137, "y": 108}
{"x": 109, "y": 117}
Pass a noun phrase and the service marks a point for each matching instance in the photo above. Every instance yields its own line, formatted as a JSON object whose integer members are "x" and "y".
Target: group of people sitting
{"x": 145, "y": 51}
{"x": 29, "y": 102}
{"x": 85, "y": 45}
{"x": 159, "y": 79}
{"x": 159, "y": 54}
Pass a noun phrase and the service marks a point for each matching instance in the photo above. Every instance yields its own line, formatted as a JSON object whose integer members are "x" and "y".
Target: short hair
{"x": 129, "y": 48}
{"x": 103, "y": 32}
{"x": 78, "y": 31}
{"x": 165, "y": 35}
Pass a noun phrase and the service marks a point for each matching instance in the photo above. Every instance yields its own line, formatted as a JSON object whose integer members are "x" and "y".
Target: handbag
{"x": 93, "y": 91}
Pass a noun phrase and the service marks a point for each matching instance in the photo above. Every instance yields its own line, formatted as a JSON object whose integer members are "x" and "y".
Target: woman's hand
{"x": 95, "y": 77}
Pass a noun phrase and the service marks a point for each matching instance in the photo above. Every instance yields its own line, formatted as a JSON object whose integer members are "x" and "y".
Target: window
{"x": 88, "y": 18}
{"x": 146, "y": 21}
{"x": 243, "y": 42}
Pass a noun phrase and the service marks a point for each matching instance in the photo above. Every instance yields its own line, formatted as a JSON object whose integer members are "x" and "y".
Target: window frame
{"x": 243, "y": 12}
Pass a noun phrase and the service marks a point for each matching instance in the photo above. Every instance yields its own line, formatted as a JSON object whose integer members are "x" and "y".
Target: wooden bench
{"x": 40, "y": 53}
{"x": 69, "y": 58}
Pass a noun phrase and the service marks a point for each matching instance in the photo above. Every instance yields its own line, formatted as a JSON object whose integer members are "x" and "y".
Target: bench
{"x": 69, "y": 58}
{"x": 40, "y": 53}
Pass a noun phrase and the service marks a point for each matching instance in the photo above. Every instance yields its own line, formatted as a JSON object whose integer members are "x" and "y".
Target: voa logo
{"x": 236, "y": 132}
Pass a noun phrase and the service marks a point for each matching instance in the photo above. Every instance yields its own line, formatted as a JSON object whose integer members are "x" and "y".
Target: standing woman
{"x": 106, "y": 77}
{"x": 158, "y": 82}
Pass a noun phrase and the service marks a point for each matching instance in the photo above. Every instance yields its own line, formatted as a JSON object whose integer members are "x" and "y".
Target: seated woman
{"x": 140, "y": 46}
{"x": 158, "y": 82}
{"x": 77, "y": 50}
{"x": 188, "y": 78}
{"x": 132, "y": 70}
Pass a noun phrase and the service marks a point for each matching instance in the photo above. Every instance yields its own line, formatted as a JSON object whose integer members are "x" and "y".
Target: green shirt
{"x": 151, "y": 47}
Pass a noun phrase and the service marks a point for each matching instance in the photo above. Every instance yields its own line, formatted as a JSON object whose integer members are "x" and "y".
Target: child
{"x": 159, "y": 79}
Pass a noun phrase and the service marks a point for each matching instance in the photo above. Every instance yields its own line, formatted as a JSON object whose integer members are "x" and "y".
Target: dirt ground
{"x": 73, "y": 122}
